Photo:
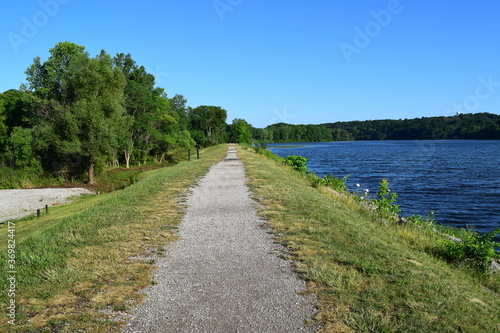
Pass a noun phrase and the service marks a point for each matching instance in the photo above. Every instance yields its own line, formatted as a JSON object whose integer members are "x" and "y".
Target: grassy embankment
{"x": 369, "y": 276}
{"x": 75, "y": 266}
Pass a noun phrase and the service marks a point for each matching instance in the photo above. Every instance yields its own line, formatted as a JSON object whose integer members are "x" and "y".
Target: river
{"x": 457, "y": 179}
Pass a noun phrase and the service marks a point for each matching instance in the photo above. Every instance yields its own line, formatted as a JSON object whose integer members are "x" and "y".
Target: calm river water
{"x": 457, "y": 179}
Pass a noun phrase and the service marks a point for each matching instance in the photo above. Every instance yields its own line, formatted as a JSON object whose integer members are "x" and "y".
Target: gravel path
{"x": 15, "y": 204}
{"x": 223, "y": 275}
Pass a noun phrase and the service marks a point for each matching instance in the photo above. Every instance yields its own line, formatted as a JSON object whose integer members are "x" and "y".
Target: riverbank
{"x": 369, "y": 276}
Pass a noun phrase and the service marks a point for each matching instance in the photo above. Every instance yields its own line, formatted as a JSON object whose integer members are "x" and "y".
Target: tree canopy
{"x": 78, "y": 113}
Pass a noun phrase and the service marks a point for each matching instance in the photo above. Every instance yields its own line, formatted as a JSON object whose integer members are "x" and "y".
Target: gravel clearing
{"x": 224, "y": 274}
{"x": 15, "y": 204}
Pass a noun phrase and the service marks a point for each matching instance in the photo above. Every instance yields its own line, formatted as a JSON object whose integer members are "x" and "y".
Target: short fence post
{"x": 38, "y": 213}
{"x": 47, "y": 209}
{"x": 197, "y": 152}
{"x": 189, "y": 154}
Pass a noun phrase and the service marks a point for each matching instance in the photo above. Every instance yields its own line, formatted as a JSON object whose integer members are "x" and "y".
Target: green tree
{"x": 3, "y": 128}
{"x": 239, "y": 131}
{"x": 17, "y": 109}
{"x": 178, "y": 103}
{"x": 19, "y": 151}
{"x": 82, "y": 99}
{"x": 211, "y": 121}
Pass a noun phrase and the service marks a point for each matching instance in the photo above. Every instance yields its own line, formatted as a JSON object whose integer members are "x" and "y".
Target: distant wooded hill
{"x": 481, "y": 126}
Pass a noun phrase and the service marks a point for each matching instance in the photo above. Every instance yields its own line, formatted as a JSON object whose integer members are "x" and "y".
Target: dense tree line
{"x": 481, "y": 126}
{"x": 282, "y": 132}
{"x": 78, "y": 113}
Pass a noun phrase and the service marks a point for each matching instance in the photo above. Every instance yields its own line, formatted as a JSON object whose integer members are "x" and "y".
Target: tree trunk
{"x": 127, "y": 158}
{"x": 91, "y": 173}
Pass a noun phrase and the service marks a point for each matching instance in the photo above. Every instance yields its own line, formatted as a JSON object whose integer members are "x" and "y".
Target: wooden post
{"x": 198, "y": 152}
{"x": 38, "y": 213}
{"x": 47, "y": 209}
{"x": 189, "y": 154}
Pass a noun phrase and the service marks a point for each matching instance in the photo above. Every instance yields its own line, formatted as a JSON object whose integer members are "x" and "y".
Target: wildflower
{"x": 358, "y": 185}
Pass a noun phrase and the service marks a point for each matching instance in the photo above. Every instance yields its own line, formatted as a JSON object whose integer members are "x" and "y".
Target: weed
{"x": 385, "y": 201}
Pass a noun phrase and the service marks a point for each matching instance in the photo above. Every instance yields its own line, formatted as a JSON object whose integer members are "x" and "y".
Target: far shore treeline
{"x": 479, "y": 126}
{"x": 78, "y": 114}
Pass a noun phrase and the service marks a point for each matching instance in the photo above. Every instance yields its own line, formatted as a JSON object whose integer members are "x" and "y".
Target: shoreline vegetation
{"x": 83, "y": 266}
{"x": 478, "y": 126}
{"x": 371, "y": 273}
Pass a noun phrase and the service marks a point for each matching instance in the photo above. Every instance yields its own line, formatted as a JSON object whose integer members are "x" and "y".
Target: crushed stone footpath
{"x": 224, "y": 273}
{"x": 15, "y": 204}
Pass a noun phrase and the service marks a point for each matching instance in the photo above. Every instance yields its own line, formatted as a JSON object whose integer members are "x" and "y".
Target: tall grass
{"x": 16, "y": 178}
{"x": 369, "y": 276}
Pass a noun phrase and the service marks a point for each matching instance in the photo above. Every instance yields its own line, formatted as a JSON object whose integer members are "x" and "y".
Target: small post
{"x": 198, "y": 152}
{"x": 38, "y": 213}
{"x": 189, "y": 154}
{"x": 47, "y": 209}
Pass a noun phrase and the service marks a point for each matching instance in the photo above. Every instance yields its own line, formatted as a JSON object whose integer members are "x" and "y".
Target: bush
{"x": 298, "y": 163}
{"x": 426, "y": 222}
{"x": 260, "y": 147}
{"x": 336, "y": 183}
{"x": 474, "y": 250}
{"x": 315, "y": 180}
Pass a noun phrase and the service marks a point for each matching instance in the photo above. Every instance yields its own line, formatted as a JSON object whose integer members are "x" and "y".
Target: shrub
{"x": 336, "y": 183}
{"x": 427, "y": 222}
{"x": 385, "y": 201}
{"x": 260, "y": 147}
{"x": 474, "y": 250}
{"x": 298, "y": 163}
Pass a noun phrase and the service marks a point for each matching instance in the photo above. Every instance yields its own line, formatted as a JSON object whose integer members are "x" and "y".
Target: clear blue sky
{"x": 282, "y": 61}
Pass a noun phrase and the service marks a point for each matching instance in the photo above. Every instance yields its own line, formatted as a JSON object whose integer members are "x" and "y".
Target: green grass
{"x": 12, "y": 178}
{"x": 369, "y": 276}
{"x": 75, "y": 266}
